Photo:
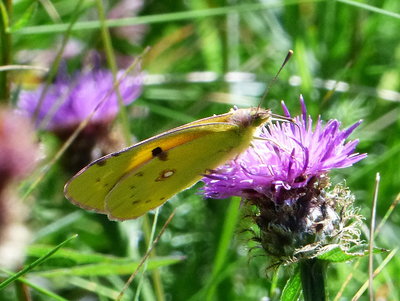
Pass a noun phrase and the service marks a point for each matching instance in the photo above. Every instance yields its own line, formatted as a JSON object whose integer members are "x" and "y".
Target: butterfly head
{"x": 252, "y": 117}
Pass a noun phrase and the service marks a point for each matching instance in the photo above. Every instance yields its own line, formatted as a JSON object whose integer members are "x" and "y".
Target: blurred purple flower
{"x": 128, "y": 9}
{"x": 18, "y": 157}
{"x": 18, "y": 150}
{"x": 46, "y": 57}
{"x": 70, "y": 100}
{"x": 292, "y": 156}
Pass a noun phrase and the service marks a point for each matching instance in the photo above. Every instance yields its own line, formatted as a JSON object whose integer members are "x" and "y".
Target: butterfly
{"x": 128, "y": 183}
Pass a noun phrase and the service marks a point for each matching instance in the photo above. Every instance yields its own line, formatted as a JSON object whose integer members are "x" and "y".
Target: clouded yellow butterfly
{"x": 127, "y": 184}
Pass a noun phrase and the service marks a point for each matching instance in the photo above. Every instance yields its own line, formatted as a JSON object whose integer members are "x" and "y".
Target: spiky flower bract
{"x": 284, "y": 175}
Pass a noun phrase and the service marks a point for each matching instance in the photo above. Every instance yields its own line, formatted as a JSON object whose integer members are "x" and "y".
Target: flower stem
{"x": 312, "y": 272}
{"x": 5, "y": 49}
{"x": 112, "y": 63}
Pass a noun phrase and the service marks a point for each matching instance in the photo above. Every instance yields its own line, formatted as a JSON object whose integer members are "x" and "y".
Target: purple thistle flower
{"x": 69, "y": 101}
{"x": 291, "y": 157}
{"x": 283, "y": 181}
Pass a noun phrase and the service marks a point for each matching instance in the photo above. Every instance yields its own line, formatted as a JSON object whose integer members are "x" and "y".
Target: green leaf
{"x": 339, "y": 255}
{"x": 121, "y": 266}
{"x": 99, "y": 289}
{"x": 292, "y": 289}
{"x": 39, "y": 289}
{"x": 73, "y": 256}
{"x": 225, "y": 241}
{"x": 152, "y": 19}
{"x": 25, "y": 17}
{"x": 4, "y": 16}
{"x": 43, "y": 258}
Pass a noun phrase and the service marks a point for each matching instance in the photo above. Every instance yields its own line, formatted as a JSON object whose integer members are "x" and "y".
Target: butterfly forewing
{"x": 153, "y": 183}
{"x": 128, "y": 183}
{"x": 89, "y": 188}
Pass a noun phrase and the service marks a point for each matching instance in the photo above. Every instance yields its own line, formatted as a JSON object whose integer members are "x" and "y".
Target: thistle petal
{"x": 305, "y": 154}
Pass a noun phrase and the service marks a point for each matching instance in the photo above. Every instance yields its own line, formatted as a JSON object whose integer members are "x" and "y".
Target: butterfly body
{"x": 127, "y": 184}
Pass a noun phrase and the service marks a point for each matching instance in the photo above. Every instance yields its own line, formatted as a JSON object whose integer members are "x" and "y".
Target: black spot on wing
{"x": 156, "y": 151}
{"x": 139, "y": 174}
{"x": 159, "y": 153}
{"x": 136, "y": 202}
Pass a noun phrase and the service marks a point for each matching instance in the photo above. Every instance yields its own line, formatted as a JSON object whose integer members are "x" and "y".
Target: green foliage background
{"x": 347, "y": 56}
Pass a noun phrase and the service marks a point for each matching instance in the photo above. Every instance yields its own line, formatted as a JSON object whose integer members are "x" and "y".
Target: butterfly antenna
{"x": 282, "y": 118}
{"x": 287, "y": 58}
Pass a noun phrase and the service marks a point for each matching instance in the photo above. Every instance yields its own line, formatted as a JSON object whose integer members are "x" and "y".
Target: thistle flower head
{"x": 289, "y": 156}
{"x": 70, "y": 100}
{"x": 62, "y": 106}
{"x": 283, "y": 177}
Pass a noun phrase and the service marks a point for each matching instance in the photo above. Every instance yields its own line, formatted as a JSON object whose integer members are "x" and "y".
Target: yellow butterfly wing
{"x": 89, "y": 187}
{"x": 128, "y": 183}
{"x": 153, "y": 183}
